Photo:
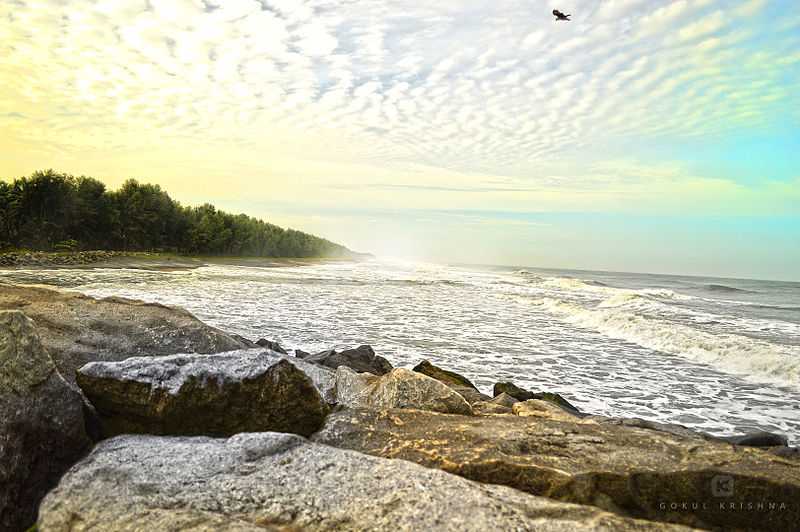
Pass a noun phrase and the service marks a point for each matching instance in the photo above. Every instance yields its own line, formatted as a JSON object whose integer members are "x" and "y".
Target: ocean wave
{"x": 571, "y": 283}
{"x": 597, "y": 287}
{"x": 757, "y": 359}
{"x": 726, "y": 289}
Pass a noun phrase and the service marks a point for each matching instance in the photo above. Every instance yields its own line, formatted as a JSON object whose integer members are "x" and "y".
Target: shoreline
{"x": 152, "y": 261}
{"x": 294, "y": 415}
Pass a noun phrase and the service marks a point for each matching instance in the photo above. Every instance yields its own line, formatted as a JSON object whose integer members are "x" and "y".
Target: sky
{"x": 644, "y": 135}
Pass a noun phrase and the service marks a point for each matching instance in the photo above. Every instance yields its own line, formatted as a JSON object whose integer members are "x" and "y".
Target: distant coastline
{"x": 24, "y": 259}
{"x": 57, "y": 212}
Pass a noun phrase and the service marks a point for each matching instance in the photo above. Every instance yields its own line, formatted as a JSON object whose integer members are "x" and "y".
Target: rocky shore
{"x": 121, "y": 415}
{"x": 146, "y": 260}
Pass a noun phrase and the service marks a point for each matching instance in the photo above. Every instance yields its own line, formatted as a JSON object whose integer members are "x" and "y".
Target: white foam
{"x": 756, "y": 359}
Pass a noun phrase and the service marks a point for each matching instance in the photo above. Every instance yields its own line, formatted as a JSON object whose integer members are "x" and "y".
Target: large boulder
{"x": 362, "y": 359}
{"x": 215, "y": 395}
{"x": 399, "y": 389}
{"x": 77, "y": 329}
{"x": 511, "y": 389}
{"x": 459, "y": 383}
{"x": 268, "y": 481}
{"x": 41, "y": 422}
{"x": 635, "y": 472}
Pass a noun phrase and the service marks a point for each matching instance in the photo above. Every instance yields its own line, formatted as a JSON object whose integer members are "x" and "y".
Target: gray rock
{"x": 758, "y": 439}
{"x": 792, "y": 453}
{"x": 631, "y": 471}
{"x": 77, "y": 329}
{"x": 272, "y": 346}
{"x": 216, "y": 395}
{"x": 362, "y": 359}
{"x": 518, "y": 393}
{"x": 399, "y": 389}
{"x": 272, "y": 481}
{"x": 457, "y": 382}
{"x": 505, "y": 400}
{"x": 42, "y": 429}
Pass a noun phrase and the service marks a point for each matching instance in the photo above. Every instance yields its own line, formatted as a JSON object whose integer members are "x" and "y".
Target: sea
{"x": 717, "y": 355}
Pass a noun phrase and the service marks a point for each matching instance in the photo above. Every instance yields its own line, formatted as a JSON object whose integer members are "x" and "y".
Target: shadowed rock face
{"x": 41, "y": 422}
{"x": 362, "y": 360}
{"x": 399, "y": 389}
{"x": 271, "y": 481}
{"x": 216, "y": 395}
{"x": 631, "y": 471}
{"x": 76, "y": 329}
{"x": 459, "y": 383}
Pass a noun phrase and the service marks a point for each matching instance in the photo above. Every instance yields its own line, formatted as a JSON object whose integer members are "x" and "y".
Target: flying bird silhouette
{"x": 560, "y": 16}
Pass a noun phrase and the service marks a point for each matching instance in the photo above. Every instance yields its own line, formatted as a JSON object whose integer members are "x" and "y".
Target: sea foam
{"x": 752, "y": 358}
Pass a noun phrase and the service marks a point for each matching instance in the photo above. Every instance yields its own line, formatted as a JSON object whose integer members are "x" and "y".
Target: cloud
{"x": 463, "y": 89}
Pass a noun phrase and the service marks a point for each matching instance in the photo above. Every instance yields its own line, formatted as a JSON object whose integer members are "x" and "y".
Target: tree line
{"x": 51, "y": 211}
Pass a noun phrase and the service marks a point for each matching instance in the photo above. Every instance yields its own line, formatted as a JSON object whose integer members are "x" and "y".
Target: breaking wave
{"x": 756, "y": 359}
{"x": 726, "y": 289}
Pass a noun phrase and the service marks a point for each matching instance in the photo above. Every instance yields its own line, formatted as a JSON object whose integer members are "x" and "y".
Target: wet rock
{"x": 272, "y": 346}
{"x": 509, "y": 388}
{"x": 272, "y": 481}
{"x": 450, "y": 378}
{"x": 42, "y": 429}
{"x": 362, "y": 359}
{"x": 758, "y": 439}
{"x": 518, "y": 393}
{"x": 299, "y": 353}
{"x": 399, "y": 389}
{"x": 77, "y": 329}
{"x": 631, "y": 471}
{"x": 216, "y": 395}
{"x": 457, "y": 382}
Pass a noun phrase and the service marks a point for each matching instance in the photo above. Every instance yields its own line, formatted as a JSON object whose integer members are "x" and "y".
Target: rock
{"x": 488, "y": 408}
{"x": 450, "y": 378}
{"x": 518, "y": 393}
{"x": 215, "y": 395}
{"x": 459, "y": 383}
{"x": 786, "y": 452}
{"x": 299, "y": 353}
{"x": 668, "y": 428}
{"x": 399, "y": 389}
{"x": 505, "y": 400}
{"x": 273, "y": 346}
{"x": 630, "y": 471}
{"x": 509, "y": 388}
{"x": 269, "y": 481}
{"x": 363, "y": 360}
{"x": 42, "y": 429}
{"x": 543, "y": 409}
{"x": 77, "y": 329}
{"x": 246, "y": 342}
{"x": 758, "y": 439}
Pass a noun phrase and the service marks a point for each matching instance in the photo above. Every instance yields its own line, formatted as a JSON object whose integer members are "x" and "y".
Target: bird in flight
{"x": 560, "y": 16}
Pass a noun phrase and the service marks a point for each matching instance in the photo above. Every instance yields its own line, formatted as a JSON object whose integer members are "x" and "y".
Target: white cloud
{"x": 479, "y": 87}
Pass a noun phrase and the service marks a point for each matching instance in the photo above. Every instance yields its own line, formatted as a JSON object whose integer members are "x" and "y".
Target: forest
{"x": 51, "y": 211}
